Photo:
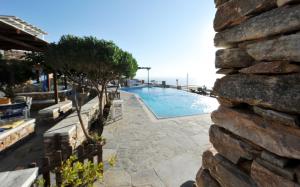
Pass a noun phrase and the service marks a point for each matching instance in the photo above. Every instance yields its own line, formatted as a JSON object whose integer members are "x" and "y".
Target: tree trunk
{"x": 106, "y": 95}
{"x": 9, "y": 92}
{"x": 48, "y": 83}
{"x": 100, "y": 116}
{"x": 65, "y": 82}
{"x": 37, "y": 76}
{"x": 101, "y": 104}
{"x": 55, "y": 87}
{"x": 78, "y": 110}
{"x": 116, "y": 91}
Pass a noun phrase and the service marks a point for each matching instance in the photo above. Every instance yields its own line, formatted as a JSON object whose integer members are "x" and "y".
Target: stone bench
{"x": 20, "y": 178}
{"x": 67, "y": 135}
{"x": 44, "y": 99}
{"x": 45, "y": 95}
{"x": 54, "y": 111}
{"x": 11, "y": 136}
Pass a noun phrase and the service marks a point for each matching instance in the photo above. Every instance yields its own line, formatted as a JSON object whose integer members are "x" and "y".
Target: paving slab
{"x": 152, "y": 152}
{"x": 179, "y": 169}
{"x": 20, "y": 178}
{"x": 146, "y": 178}
{"x": 115, "y": 177}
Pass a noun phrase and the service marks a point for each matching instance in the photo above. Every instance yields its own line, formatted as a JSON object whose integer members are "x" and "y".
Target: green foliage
{"x": 90, "y": 63}
{"x": 127, "y": 66}
{"x": 99, "y": 139}
{"x": 75, "y": 173}
{"x": 38, "y": 58}
{"x": 14, "y": 73}
{"x": 40, "y": 182}
{"x": 100, "y": 61}
{"x": 112, "y": 160}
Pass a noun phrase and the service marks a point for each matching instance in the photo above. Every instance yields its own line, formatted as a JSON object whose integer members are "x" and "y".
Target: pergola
{"x": 19, "y": 35}
{"x": 148, "y": 69}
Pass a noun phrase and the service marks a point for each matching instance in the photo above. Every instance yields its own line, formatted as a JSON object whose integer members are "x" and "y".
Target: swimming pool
{"x": 169, "y": 102}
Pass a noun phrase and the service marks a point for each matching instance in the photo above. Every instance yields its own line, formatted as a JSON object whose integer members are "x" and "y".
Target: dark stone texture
{"x": 284, "y": 48}
{"x": 277, "y": 67}
{"x": 274, "y": 22}
{"x": 226, "y": 173}
{"x": 204, "y": 179}
{"x": 230, "y": 146}
{"x": 274, "y": 159}
{"x": 266, "y": 178}
{"x": 285, "y": 2}
{"x": 220, "y": 2}
{"x": 286, "y": 119}
{"x": 233, "y": 58}
{"x": 273, "y": 136}
{"x": 287, "y": 173}
{"x": 236, "y": 11}
{"x": 280, "y": 93}
{"x": 227, "y": 71}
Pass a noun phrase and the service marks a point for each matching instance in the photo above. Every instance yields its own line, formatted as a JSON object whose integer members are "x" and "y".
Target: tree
{"x": 126, "y": 68}
{"x": 90, "y": 63}
{"x": 12, "y": 74}
{"x": 38, "y": 58}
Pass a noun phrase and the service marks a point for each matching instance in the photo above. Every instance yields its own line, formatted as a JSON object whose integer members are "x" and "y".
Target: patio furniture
{"x": 10, "y": 111}
{"x": 4, "y": 101}
{"x": 113, "y": 95}
{"x": 116, "y": 111}
{"x": 18, "y": 109}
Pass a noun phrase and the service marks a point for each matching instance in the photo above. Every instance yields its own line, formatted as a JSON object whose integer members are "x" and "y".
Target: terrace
{"x": 152, "y": 152}
{"x": 251, "y": 140}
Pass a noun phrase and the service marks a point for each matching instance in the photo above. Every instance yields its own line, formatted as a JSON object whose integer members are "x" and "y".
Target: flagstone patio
{"x": 153, "y": 152}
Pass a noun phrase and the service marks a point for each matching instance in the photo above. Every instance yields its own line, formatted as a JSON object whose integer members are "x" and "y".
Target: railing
{"x": 83, "y": 152}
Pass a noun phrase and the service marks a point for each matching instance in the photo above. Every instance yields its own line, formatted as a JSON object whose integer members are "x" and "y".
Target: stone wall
{"x": 14, "y": 54}
{"x": 67, "y": 134}
{"x": 256, "y": 131}
{"x": 10, "y": 137}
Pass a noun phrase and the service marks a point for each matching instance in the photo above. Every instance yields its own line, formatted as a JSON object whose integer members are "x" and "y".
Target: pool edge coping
{"x": 153, "y": 117}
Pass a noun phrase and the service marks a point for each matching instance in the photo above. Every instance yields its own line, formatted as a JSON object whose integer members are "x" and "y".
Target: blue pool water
{"x": 169, "y": 102}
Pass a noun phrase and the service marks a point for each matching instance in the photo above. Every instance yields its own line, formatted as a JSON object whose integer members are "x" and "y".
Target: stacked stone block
{"x": 14, "y": 54}
{"x": 256, "y": 130}
{"x": 67, "y": 134}
{"x": 10, "y": 137}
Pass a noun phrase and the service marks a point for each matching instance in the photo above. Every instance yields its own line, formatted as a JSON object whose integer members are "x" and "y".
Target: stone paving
{"x": 151, "y": 152}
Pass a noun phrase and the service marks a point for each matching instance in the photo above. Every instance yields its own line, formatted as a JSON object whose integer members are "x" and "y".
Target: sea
{"x": 182, "y": 81}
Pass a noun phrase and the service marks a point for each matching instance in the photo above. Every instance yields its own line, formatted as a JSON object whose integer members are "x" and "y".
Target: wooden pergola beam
{"x": 147, "y": 68}
{"x": 26, "y": 45}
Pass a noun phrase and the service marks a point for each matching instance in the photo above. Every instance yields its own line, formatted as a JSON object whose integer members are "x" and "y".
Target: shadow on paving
{"x": 188, "y": 184}
{"x": 27, "y": 151}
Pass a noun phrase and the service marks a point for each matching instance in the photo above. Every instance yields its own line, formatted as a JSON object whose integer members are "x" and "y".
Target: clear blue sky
{"x": 171, "y": 36}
